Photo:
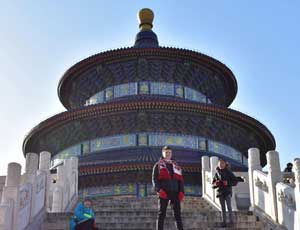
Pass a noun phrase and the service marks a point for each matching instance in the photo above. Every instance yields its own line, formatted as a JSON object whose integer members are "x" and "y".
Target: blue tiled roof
{"x": 147, "y": 155}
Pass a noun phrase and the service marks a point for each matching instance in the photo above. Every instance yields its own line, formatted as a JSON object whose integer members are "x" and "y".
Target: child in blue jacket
{"x": 84, "y": 217}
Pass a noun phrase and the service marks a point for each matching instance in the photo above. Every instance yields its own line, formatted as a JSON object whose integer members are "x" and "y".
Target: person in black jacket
{"x": 223, "y": 181}
{"x": 289, "y": 168}
{"x": 168, "y": 183}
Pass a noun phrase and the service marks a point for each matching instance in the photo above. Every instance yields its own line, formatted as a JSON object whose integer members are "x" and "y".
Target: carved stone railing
{"x": 286, "y": 205}
{"x": 65, "y": 189}
{"x": 261, "y": 192}
{"x": 271, "y": 198}
{"x": 26, "y": 198}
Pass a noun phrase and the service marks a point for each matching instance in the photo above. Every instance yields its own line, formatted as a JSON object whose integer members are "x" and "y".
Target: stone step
{"x": 98, "y": 209}
{"x": 141, "y": 222}
{"x": 130, "y": 213}
{"x": 152, "y": 204}
{"x": 150, "y": 213}
{"x": 150, "y": 220}
{"x": 195, "y": 203}
{"x": 148, "y": 204}
{"x": 135, "y": 199}
{"x": 169, "y": 225}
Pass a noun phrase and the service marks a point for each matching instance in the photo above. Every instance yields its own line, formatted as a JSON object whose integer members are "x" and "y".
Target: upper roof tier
{"x": 147, "y": 61}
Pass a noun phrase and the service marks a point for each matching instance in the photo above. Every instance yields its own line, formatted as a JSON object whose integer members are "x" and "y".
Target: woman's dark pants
{"x": 227, "y": 200}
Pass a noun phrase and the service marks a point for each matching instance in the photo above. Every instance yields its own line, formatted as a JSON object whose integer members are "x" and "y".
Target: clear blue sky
{"x": 258, "y": 40}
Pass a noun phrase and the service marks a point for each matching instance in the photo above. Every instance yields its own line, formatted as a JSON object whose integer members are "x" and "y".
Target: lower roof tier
{"x": 212, "y": 122}
{"x": 143, "y": 158}
{"x": 125, "y": 178}
{"x": 135, "y": 165}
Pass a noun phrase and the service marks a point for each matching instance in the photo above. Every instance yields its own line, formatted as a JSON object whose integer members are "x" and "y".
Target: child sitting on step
{"x": 84, "y": 217}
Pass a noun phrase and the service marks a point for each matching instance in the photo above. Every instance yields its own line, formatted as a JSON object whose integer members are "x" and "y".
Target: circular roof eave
{"x": 131, "y": 51}
{"x": 98, "y": 110}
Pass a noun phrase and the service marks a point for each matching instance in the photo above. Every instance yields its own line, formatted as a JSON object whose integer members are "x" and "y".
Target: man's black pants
{"x": 162, "y": 210}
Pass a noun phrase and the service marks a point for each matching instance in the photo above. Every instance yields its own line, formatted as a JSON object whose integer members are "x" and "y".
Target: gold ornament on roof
{"x": 145, "y": 18}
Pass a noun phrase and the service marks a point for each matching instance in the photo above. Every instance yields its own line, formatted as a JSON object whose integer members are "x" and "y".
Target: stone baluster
{"x": 13, "y": 177}
{"x": 6, "y": 215}
{"x": 45, "y": 161}
{"x": 10, "y": 195}
{"x": 74, "y": 164}
{"x": 213, "y": 169}
{"x": 274, "y": 176}
{"x": 213, "y": 165}
{"x": 31, "y": 167}
{"x": 296, "y": 169}
{"x": 58, "y": 192}
{"x": 253, "y": 164}
{"x": 44, "y": 165}
{"x": 32, "y": 163}
{"x": 60, "y": 174}
{"x": 68, "y": 182}
{"x": 205, "y": 168}
{"x": 57, "y": 204}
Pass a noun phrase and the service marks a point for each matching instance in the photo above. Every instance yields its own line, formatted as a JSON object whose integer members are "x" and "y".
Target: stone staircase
{"x": 130, "y": 213}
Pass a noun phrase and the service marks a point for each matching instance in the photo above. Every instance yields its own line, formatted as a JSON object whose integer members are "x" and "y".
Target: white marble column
{"x": 274, "y": 176}
{"x": 296, "y": 169}
{"x": 74, "y": 163}
{"x": 44, "y": 165}
{"x": 60, "y": 183}
{"x": 32, "y": 163}
{"x": 60, "y": 174}
{"x": 13, "y": 175}
{"x": 205, "y": 164}
{"x": 45, "y": 161}
{"x": 31, "y": 167}
{"x": 6, "y": 216}
{"x": 253, "y": 164}
{"x": 213, "y": 165}
{"x": 10, "y": 195}
{"x": 57, "y": 204}
{"x": 213, "y": 169}
{"x": 68, "y": 182}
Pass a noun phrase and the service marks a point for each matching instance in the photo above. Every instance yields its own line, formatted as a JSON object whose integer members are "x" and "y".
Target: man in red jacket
{"x": 168, "y": 183}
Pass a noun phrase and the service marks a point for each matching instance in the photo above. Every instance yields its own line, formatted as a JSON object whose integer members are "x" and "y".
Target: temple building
{"x": 123, "y": 105}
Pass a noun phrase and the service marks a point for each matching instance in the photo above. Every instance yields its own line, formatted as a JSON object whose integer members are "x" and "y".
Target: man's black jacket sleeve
{"x": 155, "y": 181}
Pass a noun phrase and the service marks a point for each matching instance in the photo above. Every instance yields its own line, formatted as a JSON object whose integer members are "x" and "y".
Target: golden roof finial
{"x": 145, "y": 18}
